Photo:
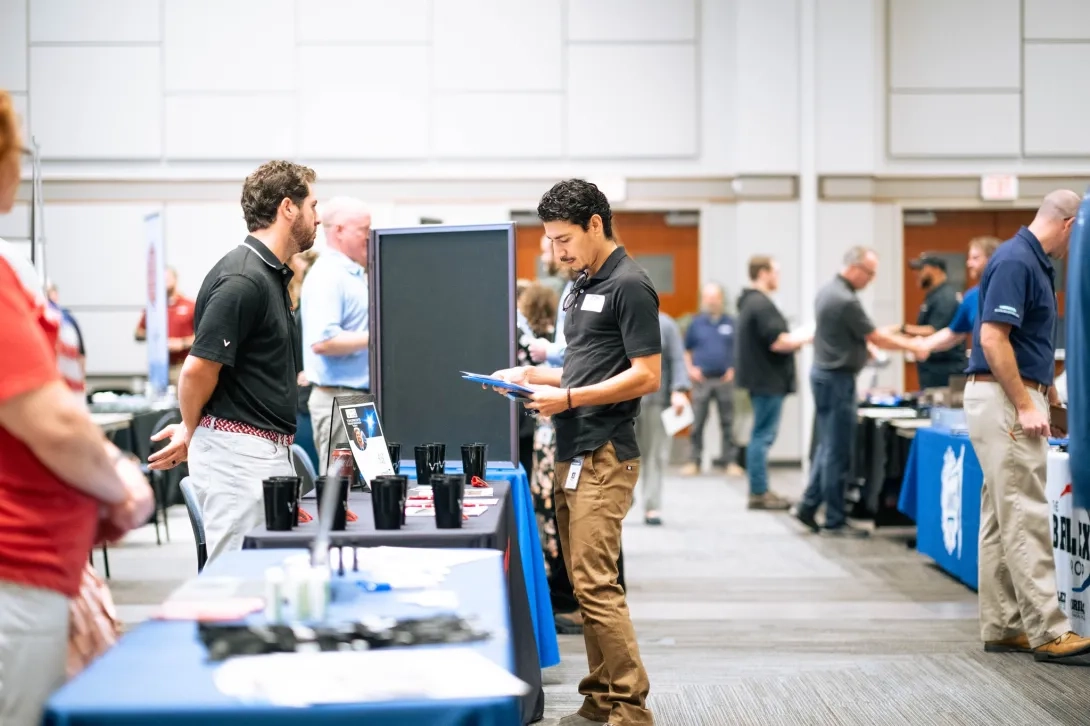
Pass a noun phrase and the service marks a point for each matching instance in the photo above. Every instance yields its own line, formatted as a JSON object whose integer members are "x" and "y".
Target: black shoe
{"x": 807, "y": 520}
{"x": 846, "y": 530}
{"x": 568, "y": 623}
{"x": 653, "y": 520}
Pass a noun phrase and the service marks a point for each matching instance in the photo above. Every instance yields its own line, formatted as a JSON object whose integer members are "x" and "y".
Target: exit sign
{"x": 999, "y": 187}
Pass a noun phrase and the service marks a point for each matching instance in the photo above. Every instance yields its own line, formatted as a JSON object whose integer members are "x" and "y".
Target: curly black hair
{"x": 266, "y": 188}
{"x": 576, "y": 201}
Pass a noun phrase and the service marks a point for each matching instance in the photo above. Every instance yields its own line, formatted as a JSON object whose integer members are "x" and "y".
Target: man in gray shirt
{"x": 650, "y": 433}
{"x": 840, "y": 351}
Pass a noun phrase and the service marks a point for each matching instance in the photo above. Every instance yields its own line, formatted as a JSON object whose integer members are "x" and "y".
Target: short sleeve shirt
{"x": 965, "y": 317}
{"x": 938, "y": 310}
{"x": 1018, "y": 288}
{"x": 244, "y": 320}
{"x": 840, "y": 337}
{"x": 615, "y": 318}
{"x": 46, "y": 526}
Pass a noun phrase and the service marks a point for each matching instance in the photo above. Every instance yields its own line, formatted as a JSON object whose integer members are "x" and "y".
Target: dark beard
{"x": 302, "y": 235}
{"x": 926, "y": 283}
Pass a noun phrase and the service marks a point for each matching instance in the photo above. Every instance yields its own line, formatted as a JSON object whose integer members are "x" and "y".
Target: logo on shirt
{"x": 226, "y": 343}
{"x": 1007, "y": 310}
{"x": 952, "y": 467}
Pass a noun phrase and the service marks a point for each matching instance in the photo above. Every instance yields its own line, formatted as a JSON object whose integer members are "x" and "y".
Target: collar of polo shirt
{"x": 1035, "y": 244}
{"x": 610, "y": 264}
{"x": 344, "y": 261}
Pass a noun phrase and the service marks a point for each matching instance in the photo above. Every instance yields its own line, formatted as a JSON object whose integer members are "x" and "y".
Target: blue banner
{"x": 1077, "y": 363}
{"x": 156, "y": 308}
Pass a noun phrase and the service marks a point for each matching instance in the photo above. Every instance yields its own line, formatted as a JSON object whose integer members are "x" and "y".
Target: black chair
{"x": 161, "y": 481}
{"x": 196, "y": 520}
{"x": 304, "y": 469}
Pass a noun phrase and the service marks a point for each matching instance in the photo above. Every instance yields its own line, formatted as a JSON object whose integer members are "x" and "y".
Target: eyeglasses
{"x": 576, "y": 288}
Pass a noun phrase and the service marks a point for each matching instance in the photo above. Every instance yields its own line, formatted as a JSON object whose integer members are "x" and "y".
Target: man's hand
{"x": 135, "y": 510}
{"x": 173, "y": 453}
{"x": 678, "y": 401}
{"x": 301, "y": 379}
{"x": 539, "y": 350}
{"x": 921, "y": 350}
{"x": 549, "y": 400}
{"x": 1033, "y": 422}
{"x": 695, "y": 374}
{"x": 728, "y": 376}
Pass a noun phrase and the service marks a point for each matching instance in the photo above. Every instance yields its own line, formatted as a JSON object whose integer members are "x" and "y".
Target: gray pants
{"x": 33, "y": 651}
{"x": 723, "y": 394}
{"x": 227, "y": 470}
{"x": 321, "y": 413}
{"x": 654, "y": 454}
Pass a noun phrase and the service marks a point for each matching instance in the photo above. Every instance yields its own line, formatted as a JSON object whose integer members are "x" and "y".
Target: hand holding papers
{"x": 674, "y": 421}
{"x": 514, "y": 390}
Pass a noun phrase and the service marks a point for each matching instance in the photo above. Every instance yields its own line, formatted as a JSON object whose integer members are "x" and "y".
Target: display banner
{"x": 1070, "y": 527}
{"x": 1077, "y": 357}
{"x": 156, "y": 307}
{"x": 365, "y": 438}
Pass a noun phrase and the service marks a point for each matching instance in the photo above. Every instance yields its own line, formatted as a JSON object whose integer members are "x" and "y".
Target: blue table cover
{"x": 1077, "y": 355}
{"x": 941, "y": 491}
{"x": 158, "y": 674}
{"x": 533, "y": 561}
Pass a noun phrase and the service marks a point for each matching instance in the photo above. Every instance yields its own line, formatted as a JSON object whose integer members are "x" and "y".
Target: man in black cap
{"x": 938, "y": 309}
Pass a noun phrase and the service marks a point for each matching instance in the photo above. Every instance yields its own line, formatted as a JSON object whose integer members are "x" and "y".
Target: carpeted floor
{"x": 745, "y": 619}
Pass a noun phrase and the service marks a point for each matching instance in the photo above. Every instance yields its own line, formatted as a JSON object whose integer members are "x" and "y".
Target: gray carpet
{"x": 745, "y": 619}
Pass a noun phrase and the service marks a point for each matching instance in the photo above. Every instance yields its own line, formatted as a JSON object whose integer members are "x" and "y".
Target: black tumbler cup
{"x": 449, "y": 490}
{"x": 437, "y": 458}
{"x": 394, "y": 450}
{"x": 340, "y": 511}
{"x": 474, "y": 461}
{"x": 423, "y": 466}
{"x": 278, "y": 492}
{"x": 386, "y": 501}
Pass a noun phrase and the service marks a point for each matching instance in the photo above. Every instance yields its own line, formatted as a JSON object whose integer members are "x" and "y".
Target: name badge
{"x": 593, "y": 303}
{"x": 725, "y": 329}
{"x": 573, "y": 473}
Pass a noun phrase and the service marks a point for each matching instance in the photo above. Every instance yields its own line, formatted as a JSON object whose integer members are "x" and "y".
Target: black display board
{"x": 443, "y": 301}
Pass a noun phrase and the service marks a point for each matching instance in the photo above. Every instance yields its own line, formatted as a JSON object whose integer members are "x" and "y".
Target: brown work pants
{"x": 589, "y": 523}
{"x": 1016, "y": 569}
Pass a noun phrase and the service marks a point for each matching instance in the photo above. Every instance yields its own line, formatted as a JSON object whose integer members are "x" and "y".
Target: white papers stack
{"x": 304, "y": 679}
{"x": 673, "y": 421}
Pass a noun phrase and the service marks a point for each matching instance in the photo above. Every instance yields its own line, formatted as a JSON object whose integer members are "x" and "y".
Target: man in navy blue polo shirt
{"x": 1007, "y": 398}
{"x": 709, "y": 356}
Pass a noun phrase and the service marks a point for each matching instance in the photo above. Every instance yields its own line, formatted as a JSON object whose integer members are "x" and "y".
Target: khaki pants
{"x": 1017, "y": 573}
{"x": 654, "y": 453}
{"x": 321, "y": 413}
{"x": 589, "y": 524}
{"x": 33, "y": 651}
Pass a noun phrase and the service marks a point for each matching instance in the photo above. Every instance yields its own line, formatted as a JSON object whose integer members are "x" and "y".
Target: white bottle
{"x": 274, "y": 595}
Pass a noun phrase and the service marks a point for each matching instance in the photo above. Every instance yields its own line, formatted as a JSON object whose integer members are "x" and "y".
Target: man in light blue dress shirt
{"x": 334, "y": 306}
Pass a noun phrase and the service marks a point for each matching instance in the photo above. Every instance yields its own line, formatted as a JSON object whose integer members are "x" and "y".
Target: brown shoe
{"x": 568, "y": 623}
{"x": 1068, "y": 649}
{"x": 1015, "y": 644}
{"x": 767, "y": 501}
{"x": 690, "y": 469}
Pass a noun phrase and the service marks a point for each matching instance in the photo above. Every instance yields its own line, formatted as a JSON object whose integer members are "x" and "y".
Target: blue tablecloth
{"x": 533, "y": 561}
{"x": 941, "y": 491}
{"x": 158, "y": 675}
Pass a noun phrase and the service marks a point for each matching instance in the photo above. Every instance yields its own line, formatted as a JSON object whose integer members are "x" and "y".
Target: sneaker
{"x": 568, "y": 623}
{"x": 690, "y": 469}
{"x": 1015, "y": 644}
{"x": 653, "y": 519}
{"x": 1068, "y": 649}
{"x": 807, "y": 520}
{"x": 767, "y": 501}
{"x": 846, "y": 530}
{"x": 735, "y": 471}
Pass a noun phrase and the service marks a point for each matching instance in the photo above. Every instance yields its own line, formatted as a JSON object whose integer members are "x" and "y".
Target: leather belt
{"x": 1028, "y": 383}
{"x": 237, "y": 427}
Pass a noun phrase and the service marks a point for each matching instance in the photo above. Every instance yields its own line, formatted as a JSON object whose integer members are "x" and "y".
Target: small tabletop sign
{"x": 364, "y": 430}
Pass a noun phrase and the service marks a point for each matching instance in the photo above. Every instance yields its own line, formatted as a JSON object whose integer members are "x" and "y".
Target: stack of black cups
{"x": 281, "y": 502}
{"x": 340, "y": 507}
{"x": 389, "y": 493}
{"x": 431, "y": 459}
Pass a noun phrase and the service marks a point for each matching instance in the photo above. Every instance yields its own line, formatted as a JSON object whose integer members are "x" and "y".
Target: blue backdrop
{"x": 1077, "y": 364}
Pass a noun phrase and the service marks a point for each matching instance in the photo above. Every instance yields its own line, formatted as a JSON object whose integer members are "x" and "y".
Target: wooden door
{"x": 950, "y": 233}
{"x": 668, "y": 246}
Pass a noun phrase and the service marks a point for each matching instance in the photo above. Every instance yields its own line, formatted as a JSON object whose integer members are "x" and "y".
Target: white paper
{"x": 438, "y": 599}
{"x": 304, "y": 679}
{"x": 673, "y": 421}
{"x": 804, "y": 331}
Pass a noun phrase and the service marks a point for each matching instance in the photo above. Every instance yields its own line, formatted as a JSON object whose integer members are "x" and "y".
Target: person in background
{"x": 841, "y": 339}
{"x": 981, "y": 250}
{"x": 651, "y": 434}
{"x": 71, "y": 354}
{"x": 179, "y": 324}
{"x": 548, "y": 273}
{"x": 63, "y": 486}
{"x": 300, "y": 265}
{"x": 239, "y": 385}
{"x": 936, "y": 312}
{"x": 709, "y": 359}
{"x": 542, "y": 350}
{"x": 765, "y": 364}
{"x": 1011, "y": 372}
{"x": 531, "y": 323}
{"x": 335, "y": 302}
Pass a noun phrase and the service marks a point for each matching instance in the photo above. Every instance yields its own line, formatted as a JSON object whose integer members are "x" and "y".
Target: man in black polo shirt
{"x": 938, "y": 309}
{"x": 1007, "y": 398}
{"x": 238, "y": 388}
{"x": 612, "y": 360}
